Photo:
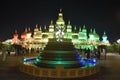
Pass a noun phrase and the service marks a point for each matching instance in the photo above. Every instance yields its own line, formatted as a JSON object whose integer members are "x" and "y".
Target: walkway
{"x": 110, "y": 69}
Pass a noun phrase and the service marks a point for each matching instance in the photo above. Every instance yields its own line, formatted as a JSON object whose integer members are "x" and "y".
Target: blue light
{"x": 94, "y": 60}
{"x": 83, "y": 62}
{"x": 28, "y": 59}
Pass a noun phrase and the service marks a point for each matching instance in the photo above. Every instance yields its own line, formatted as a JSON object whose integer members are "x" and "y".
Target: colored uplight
{"x": 28, "y": 59}
{"x": 83, "y": 62}
{"x": 24, "y": 60}
{"x": 94, "y": 60}
{"x": 59, "y": 62}
{"x": 37, "y": 59}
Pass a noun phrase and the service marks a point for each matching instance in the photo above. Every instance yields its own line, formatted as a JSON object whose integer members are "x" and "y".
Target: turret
{"x": 105, "y": 41}
{"x": 51, "y": 27}
{"x": 15, "y": 37}
{"x": 24, "y": 34}
{"x": 104, "y": 37}
{"x": 29, "y": 33}
{"x": 84, "y": 29}
{"x": 82, "y": 34}
{"x": 36, "y": 29}
{"x": 91, "y": 36}
{"x": 38, "y": 35}
{"x": 96, "y": 36}
{"x": 69, "y": 27}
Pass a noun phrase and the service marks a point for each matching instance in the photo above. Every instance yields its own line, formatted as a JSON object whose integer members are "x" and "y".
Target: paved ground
{"x": 110, "y": 69}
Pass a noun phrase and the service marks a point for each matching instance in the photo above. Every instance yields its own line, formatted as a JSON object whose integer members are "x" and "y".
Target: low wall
{"x": 59, "y": 72}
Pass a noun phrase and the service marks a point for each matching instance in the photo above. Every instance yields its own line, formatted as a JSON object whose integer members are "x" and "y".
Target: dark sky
{"x": 104, "y": 15}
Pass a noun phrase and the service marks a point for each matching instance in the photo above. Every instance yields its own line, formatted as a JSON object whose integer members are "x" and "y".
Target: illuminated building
{"x": 81, "y": 38}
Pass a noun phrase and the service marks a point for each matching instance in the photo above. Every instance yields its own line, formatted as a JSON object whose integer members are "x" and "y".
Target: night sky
{"x": 100, "y": 14}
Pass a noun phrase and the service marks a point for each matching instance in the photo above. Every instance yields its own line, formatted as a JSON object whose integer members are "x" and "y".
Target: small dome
{"x": 96, "y": 35}
{"x": 38, "y": 33}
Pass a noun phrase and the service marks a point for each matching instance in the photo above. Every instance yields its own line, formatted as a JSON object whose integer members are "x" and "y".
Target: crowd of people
{"x": 89, "y": 54}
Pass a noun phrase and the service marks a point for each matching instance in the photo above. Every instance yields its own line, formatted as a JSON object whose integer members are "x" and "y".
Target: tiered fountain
{"x": 59, "y": 59}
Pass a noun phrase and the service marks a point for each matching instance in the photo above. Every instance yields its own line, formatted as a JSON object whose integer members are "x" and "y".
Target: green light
{"x": 37, "y": 60}
{"x": 59, "y": 62}
{"x": 24, "y": 62}
{"x": 24, "y": 59}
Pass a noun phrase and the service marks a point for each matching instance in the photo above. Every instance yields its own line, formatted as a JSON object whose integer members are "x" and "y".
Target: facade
{"x": 80, "y": 38}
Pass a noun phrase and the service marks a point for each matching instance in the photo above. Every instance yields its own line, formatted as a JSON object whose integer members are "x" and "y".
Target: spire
{"x": 60, "y": 10}
{"x": 15, "y": 31}
{"x": 75, "y": 28}
{"x": 40, "y": 28}
{"x": 60, "y": 13}
{"x": 94, "y": 31}
{"x": 29, "y": 29}
{"x": 68, "y": 22}
{"x": 15, "y": 34}
{"x": 26, "y": 30}
{"x": 91, "y": 30}
{"x": 80, "y": 29}
{"x": 36, "y": 28}
{"x": 45, "y": 27}
{"x": 36, "y": 25}
{"x": 51, "y": 22}
{"x": 104, "y": 35}
{"x": 84, "y": 26}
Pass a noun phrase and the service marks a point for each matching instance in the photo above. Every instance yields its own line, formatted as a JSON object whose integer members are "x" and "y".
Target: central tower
{"x": 60, "y": 20}
{"x": 60, "y": 26}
